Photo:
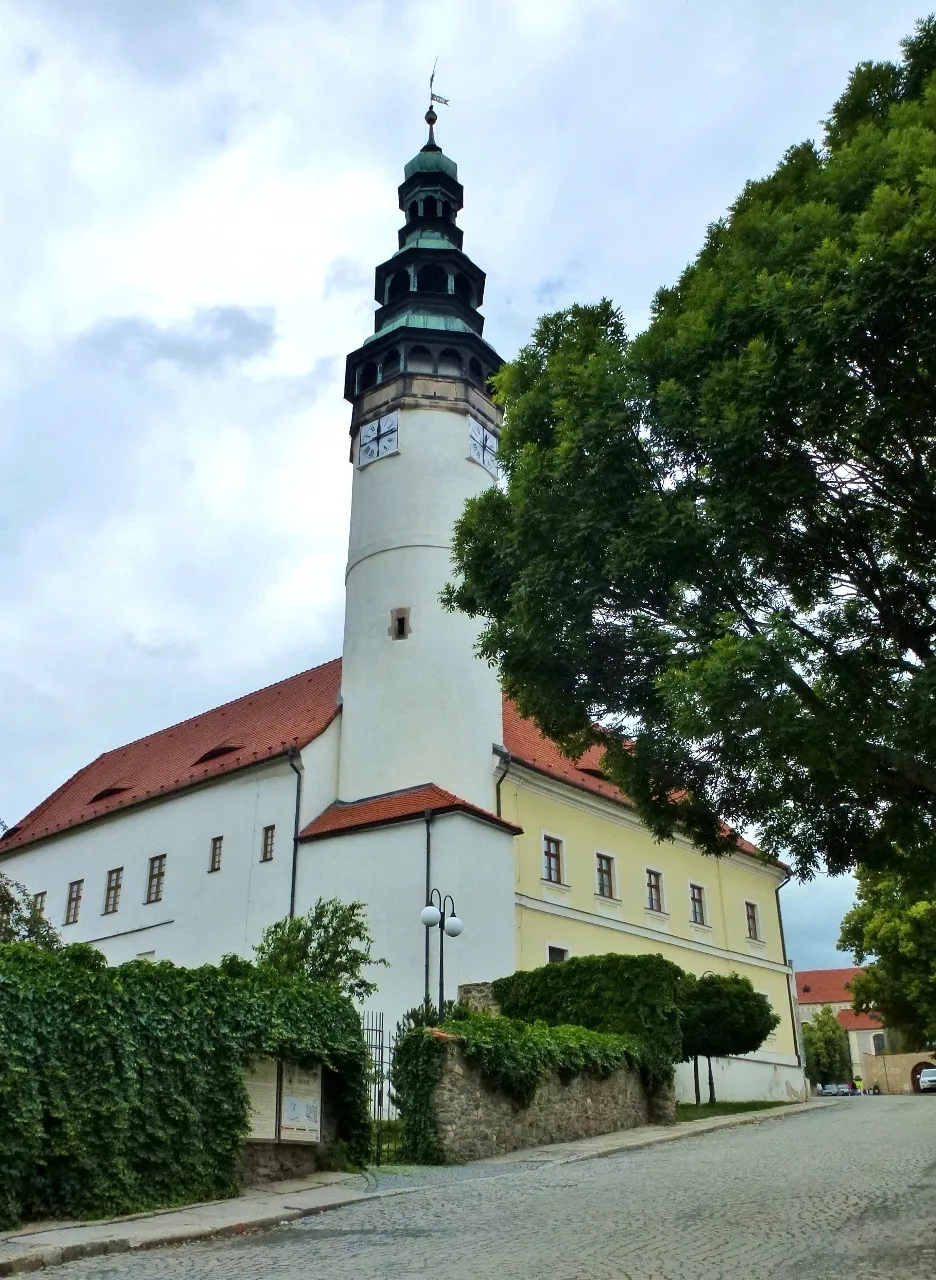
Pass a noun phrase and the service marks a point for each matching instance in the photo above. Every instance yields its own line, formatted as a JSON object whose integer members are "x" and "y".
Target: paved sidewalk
{"x": 49, "y": 1244}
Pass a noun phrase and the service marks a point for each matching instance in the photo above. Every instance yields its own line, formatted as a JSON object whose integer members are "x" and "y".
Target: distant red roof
{"x": 342, "y": 818}
{"x": 251, "y": 729}
{"x": 825, "y": 986}
{"x": 852, "y": 1021}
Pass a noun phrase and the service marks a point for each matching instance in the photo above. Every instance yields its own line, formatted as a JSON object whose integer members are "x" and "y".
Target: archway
{"x": 419, "y": 360}
{"x": 915, "y": 1074}
{"x": 432, "y": 279}
{"x": 399, "y": 285}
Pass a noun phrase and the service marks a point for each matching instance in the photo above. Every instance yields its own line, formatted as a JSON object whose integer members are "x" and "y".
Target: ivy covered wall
{"x": 121, "y": 1089}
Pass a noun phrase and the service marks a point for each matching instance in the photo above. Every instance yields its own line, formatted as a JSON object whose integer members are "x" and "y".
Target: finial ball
{"x": 431, "y": 117}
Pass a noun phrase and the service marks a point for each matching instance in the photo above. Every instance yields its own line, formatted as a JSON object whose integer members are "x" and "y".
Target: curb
{"x": 54, "y": 1255}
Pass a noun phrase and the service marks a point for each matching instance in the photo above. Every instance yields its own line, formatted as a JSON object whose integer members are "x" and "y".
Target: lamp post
{"x": 439, "y": 913}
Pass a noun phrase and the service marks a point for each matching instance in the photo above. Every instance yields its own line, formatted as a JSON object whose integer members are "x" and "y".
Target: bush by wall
{"x": 514, "y": 1057}
{"x": 121, "y": 1089}
{"x": 637, "y": 996}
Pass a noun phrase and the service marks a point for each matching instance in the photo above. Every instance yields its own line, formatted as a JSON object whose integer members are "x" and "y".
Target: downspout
{"x": 427, "y": 817}
{"x": 505, "y": 758}
{"x": 293, "y": 755}
{"x": 793, "y": 1022}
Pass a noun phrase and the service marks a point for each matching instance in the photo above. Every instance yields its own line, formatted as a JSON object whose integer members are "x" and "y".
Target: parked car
{"x": 847, "y": 1090}
{"x": 928, "y": 1080}
{"x": 828, "y": 1091}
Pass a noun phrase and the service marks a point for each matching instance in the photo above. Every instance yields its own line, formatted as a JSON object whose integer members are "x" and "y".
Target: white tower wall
{"x": 424, "y": 708}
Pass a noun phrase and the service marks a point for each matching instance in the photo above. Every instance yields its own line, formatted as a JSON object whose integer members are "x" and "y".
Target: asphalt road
{"x": 843, "y": 1192}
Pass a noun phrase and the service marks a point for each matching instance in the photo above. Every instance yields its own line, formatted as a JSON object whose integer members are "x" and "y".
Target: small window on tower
{"x": 378, "y": 439}
{"x": 482, "y": 446}
{"x": 399, "y": 628}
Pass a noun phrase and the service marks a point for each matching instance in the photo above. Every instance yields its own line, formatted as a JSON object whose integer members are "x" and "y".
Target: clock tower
{"x": 418, "y": 705}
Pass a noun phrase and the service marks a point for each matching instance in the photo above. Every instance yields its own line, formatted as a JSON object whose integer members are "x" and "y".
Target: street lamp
{"x": 439, "y": 913}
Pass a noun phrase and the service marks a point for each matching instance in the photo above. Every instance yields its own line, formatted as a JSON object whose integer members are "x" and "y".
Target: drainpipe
{"x": 427, "y": 817}
{"x": 293, "y": 756}
{"x": 793, "y": 1021}
{"x": 505, "y": 762}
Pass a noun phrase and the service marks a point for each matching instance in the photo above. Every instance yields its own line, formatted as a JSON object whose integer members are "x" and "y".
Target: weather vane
{"x": 434, "y": 97}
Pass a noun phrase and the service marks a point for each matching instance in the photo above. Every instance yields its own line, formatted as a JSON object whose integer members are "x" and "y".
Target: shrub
{"x": 121, "y": 1089}
{"x": 637, "y": 996}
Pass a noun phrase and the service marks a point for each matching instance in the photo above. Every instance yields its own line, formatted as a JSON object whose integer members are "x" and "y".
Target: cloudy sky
{"x": 194, "y": 195}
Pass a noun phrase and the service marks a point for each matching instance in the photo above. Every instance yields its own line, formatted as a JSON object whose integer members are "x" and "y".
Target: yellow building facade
{"x": 590, "y": 878}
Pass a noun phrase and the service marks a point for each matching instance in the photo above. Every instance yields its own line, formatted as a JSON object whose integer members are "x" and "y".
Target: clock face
{"x": 378, "y": 439}
{"x": 482, "y": 446}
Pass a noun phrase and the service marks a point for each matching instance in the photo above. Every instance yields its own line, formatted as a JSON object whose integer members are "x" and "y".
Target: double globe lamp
{"x": 439, "y": 913}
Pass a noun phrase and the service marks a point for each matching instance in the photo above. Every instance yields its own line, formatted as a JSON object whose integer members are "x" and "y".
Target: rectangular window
{"x": 112, "y": 892}
{"x": 552, "y": 860}
{"x": 654, "y": 890}
{"x": 39, "y": 901}
{"x": 556, "y": 955}
{"x": 214, "y": 857}
{"x": 266, "y": 846}
{"x": 753, "y": 923}
{"x": 75, "y": 890}
{"x": 697, "y": 904}
{"x": 605, "y": 869}
{"x": 155, "y": 878}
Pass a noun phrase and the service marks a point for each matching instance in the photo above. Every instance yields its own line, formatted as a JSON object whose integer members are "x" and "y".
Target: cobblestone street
{"x": 843, "y": 1191}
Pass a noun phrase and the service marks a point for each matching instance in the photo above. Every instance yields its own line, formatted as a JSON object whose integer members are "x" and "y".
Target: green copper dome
{"x": 430, "y": 160}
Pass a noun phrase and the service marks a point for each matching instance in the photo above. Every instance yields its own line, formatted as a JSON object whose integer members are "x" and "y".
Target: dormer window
{"x": 482, "y": 446}
{"x": 108, "y": 793}
{"x": 222, "y": 749}
{"x": 378, "y": 439}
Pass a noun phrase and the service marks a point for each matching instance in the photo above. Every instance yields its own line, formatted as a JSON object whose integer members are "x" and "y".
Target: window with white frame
{"x": 552, "y": 859}
{"x": 557, "y": 955}
{"x": 697, "y": 904}
{"x": 604, "y": 875}
{"x": 752, "y": 918}
{"x": 654, "y": 890}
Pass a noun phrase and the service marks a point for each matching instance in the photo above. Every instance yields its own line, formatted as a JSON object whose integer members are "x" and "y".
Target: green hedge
{"x": 639, "y": 996}
{"x": 121, "y": 1089}
{"x": 513, "y": 1056}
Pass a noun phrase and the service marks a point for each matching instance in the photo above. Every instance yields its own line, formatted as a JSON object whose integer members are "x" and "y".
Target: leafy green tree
{"x": 828, "y": 1058}
{"x": 714, "y": 552}
{"x": 893, "y": 923}
{"x": 723, "y": 1016}
{"x": 19, "y": 919}
{"x": 331, "y": 944}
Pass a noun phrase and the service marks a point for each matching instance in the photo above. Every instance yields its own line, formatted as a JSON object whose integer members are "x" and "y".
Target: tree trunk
{"x": 711, "y": 1083}
{"x": 695, "y": 1078}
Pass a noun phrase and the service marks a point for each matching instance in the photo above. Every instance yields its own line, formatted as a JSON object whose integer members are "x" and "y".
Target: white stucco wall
{"x": 203, "y": 915}
{"x": 422, "y": 709}
{"x": 471, "y": 860}
{"x": 760, "y": 1077}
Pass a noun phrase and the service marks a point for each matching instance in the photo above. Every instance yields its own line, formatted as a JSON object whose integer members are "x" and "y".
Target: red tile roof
{"x": 824, "y": 986}
{"x": 852, "y": 1021}
{"x": 396, "y": 806}
{"x": 258, "y": 727}
{"x": 528, "y": 746}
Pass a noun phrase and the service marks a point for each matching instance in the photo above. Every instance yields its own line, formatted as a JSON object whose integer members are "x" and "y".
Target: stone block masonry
{"x": 476, "y": 1121}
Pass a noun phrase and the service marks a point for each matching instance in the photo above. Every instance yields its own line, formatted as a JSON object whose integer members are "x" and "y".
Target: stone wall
{"x": 893, "y": 1072}
{"x": 476, "y": 1122}
{"x": 276, "y": 1161}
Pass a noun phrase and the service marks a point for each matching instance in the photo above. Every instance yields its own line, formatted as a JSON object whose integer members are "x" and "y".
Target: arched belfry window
{"x": 391, "y": 365}
{"x": 432, "y": 279}
{"x": 446, "y": 211}
{"x": 367, "y": 376}
{"x": 414, "y": 211}
{"x": 463, "y": 288}
{"x": 475, "y": 372}
{"x": 450, "y": 364}
{"x": 430, "y": 207}
{"x": 399, "y": 285}
{"x": 419, "y": 360}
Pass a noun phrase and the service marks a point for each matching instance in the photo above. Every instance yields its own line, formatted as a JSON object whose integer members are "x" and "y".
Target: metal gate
{"x": 387, "y": 1126}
